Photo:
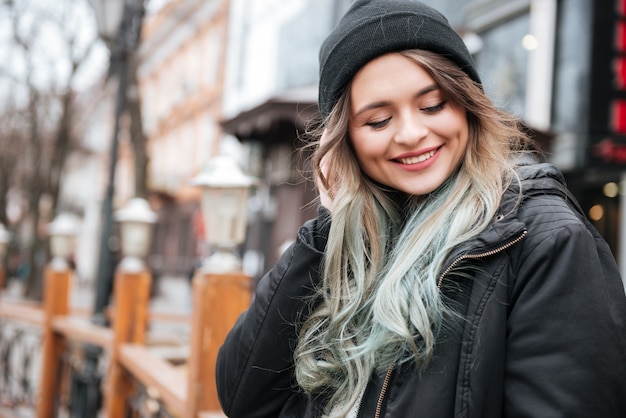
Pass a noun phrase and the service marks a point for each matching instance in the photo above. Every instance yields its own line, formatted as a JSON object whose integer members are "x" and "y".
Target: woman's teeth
{"x": 418, "y": 158}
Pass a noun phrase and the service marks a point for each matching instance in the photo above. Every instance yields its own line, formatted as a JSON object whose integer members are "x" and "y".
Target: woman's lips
{"x": 418, "y": 158}
{"x": 417, "y": 162}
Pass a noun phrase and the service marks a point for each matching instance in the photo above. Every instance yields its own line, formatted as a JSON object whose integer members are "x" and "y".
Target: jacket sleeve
{"x": 566, "y": 332}
{"x": 254, "y": 368}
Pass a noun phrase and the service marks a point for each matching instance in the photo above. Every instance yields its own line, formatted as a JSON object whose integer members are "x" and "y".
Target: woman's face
{"x": 406, "y": 134}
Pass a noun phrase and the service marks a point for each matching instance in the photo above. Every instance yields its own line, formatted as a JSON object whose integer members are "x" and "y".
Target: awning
{"x": 278, "y": 116}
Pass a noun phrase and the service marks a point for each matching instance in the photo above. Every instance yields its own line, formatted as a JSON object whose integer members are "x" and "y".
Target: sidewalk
{"x": 170, "y": 338}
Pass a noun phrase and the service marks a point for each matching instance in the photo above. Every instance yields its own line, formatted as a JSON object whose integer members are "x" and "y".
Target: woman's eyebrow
{"x": 382, "y": 103}
{"x": 427, "y": 90}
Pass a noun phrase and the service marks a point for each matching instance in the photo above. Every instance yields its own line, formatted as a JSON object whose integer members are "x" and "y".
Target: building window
{"x": 503, "y": 63}
{"x": 516, "y": 58}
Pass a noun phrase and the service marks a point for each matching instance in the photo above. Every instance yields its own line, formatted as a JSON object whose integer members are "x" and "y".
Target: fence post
{"x": 218, "y": 300}
{"x": 131, "y": 294}
{"x": 57, "y": 281}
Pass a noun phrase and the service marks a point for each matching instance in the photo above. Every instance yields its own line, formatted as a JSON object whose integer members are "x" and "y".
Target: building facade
{"x": 180, "y": 74}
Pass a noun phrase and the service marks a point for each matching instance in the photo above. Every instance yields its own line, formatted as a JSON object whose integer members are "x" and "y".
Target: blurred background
{"x": 104, "y": 100}
{"x": 116, "y": 118}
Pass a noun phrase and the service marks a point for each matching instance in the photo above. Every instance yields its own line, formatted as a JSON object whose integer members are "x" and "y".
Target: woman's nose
{"x": 411, "y": 129}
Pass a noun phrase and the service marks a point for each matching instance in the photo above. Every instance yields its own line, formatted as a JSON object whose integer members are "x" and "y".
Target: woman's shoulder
{"x": 543, "y": 202}
{"x": 540, "y": 191}
{"x": 551, "y": 214}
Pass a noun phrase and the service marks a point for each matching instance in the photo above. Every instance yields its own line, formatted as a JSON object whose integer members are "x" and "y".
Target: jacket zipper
{"x": 481, "y": 255}
{"x": 383, "y": 391}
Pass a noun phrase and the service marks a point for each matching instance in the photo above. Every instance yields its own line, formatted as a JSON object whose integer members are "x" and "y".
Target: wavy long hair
{"x": 379, "y": 304}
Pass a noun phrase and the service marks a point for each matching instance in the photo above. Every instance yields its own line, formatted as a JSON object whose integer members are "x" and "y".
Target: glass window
{"x": 503, "y": 63}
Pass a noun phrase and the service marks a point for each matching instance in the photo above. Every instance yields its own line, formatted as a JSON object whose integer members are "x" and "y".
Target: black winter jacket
{"x": 544, "y": 333}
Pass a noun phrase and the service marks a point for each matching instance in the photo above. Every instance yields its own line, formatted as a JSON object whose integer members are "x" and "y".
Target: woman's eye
{"x": 434, "y": 109}
{"x": 378, "y": 124}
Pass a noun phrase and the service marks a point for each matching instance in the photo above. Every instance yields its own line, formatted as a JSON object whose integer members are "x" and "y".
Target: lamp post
{"x": 119, "y": 23}
{"x": 221, "y": 291}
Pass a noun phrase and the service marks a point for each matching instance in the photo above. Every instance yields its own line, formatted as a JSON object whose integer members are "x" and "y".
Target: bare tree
{"x": 46, "y": 82}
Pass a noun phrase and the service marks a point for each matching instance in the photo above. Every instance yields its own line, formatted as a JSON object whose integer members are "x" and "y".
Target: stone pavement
{"x": 169, "y": 331}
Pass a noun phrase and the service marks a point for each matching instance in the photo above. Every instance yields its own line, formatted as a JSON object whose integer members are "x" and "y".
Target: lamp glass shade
{"x": 108, "y": 17}
{"x": 225, "y": 214}
{"x": 4, "y": 241}
{"x": 135, "y": 238}
{"x": 136, "y": 220}
{"x": 63, "y": 230}
{"x": 62, "y": 246}
{"x": 225, "y": 190}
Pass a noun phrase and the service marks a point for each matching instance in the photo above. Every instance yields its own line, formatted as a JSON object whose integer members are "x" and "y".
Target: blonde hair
{"x": 379, "y": 303}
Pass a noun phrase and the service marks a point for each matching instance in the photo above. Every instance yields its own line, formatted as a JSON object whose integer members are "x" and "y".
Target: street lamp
{"x": 62, "y": 231}
{"x": 136, "y": 220}
{"x": 225, "y": 191}
{"x": 119, "y": 23}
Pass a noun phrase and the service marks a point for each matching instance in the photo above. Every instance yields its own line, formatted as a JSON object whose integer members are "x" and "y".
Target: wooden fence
{"x": 185, "y": 392}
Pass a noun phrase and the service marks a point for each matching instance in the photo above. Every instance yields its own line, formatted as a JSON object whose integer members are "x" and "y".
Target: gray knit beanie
{"x": 371, "y": 28}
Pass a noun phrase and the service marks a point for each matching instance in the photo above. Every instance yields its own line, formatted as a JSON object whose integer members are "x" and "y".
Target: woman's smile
{"x": 419, "y": 160}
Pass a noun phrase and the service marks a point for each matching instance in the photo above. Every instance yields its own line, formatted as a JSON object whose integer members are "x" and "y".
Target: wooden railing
{"x": 185, "y": 392}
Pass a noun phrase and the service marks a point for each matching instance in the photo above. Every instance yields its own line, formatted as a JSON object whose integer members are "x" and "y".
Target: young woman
{"x": 449, "y": 273}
